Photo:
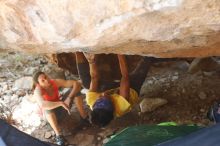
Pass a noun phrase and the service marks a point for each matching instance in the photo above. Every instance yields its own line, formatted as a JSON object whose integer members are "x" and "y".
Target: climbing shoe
{"x": 60, "y": 140}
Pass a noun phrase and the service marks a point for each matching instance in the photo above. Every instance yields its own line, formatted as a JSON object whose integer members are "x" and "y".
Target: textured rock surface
{"x": 107, "y": 64}
{"x": 162, "y": 28}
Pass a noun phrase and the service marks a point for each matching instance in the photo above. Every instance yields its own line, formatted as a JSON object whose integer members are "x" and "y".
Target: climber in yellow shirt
{"x": 112, "y": 100}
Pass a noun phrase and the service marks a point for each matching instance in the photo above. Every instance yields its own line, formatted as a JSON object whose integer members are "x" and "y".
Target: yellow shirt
{"x": 121, "y": 105}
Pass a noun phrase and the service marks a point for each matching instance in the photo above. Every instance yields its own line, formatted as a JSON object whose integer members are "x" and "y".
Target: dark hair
{"x": 102, "y": 117}
{"x": 35, "y": 78}
{"x": 36, "y": 75}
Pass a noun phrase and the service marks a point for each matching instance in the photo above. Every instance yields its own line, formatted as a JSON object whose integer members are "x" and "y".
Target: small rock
{"x": 99, "y": 138}
{"x": 43, "y": 61}
{"x": 52, "y": 133}
{"x": 47, "y": 135}
{"x": 194, "y": 117}
{"x": 202, "y": 95}
{"x": 154, "y": 78}
{"x": 208, "y": 74}
{"x": 176, "y": 73}
{"x": 105, "y": 140}
{"x": 9, "y": 92}
{"x": 106, "y": 132}
{"x": 200, "y": 124}
{"x": 149, "y": 82}
{"x": 21, "y": 93}
{"x": 162, "y": 80}
{"x": 150, "y": 104}
{"x": 6, "y": 99}
{"x": 14, "y": 97}
{"x": 18, "y": 66}
{"x": 183, "y": 90}
{"x": 180, "y": 65}
{"x": 202, "y": 110}
{"x": 5, "y": 87}
{"x": 14, "y": 89}
{"x": 43, "y": 123}
{"x": 175, "y": 78}
{"x": 30, "y": 70}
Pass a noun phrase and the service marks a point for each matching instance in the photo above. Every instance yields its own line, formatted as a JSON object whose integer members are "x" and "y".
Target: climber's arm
{"x": 124, "y": 84}
{"x": 93, "y": 72}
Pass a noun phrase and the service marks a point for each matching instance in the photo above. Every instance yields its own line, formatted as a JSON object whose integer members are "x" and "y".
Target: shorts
{"x": 60, "y": 112}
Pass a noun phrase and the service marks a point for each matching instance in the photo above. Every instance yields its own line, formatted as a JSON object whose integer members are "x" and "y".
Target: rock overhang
{"x": 165, "y": 28}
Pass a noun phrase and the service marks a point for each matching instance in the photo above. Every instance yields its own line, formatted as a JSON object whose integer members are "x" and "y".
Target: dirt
{"x": 184, "y": 104}
{"x": 189, "y": 96}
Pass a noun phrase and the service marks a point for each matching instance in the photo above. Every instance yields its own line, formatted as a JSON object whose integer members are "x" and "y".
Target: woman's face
{"x": 44, "y": 80}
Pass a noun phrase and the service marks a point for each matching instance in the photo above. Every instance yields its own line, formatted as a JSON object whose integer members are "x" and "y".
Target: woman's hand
{"x": 68, "y": 101}
{"x": 65, "y": 107}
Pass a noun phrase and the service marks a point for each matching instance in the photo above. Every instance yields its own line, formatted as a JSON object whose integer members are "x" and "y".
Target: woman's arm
{"x": 48, "y": 105}
{"x": 75, "y": 85}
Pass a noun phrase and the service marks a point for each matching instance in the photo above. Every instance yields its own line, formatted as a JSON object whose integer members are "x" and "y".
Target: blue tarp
{"x": 10, "y": 136}
{"x": 209, "y": 136}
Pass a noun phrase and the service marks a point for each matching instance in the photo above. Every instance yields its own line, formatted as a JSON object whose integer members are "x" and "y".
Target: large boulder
{"x": 161, "y": 28}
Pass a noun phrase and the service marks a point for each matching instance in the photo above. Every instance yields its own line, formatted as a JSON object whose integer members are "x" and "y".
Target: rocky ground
{"x": 170, "y": 93}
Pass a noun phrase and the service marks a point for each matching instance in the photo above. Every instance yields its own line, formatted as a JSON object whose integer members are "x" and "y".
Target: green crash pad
{"x": 149, "y": 135}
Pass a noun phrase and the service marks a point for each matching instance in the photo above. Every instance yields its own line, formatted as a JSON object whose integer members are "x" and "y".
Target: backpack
{"x": 214, "y": 112}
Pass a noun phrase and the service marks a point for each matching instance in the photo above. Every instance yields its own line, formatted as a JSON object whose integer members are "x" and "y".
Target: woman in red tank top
{"x": 55, "y": 96}
{"x": 47, "y": 94}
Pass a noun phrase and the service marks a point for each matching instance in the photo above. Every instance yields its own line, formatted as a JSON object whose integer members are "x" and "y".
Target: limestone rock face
{"x": 161, "y": 28}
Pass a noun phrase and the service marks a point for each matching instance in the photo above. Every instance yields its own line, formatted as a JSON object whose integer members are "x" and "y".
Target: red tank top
{"x": 55, "y": 96}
